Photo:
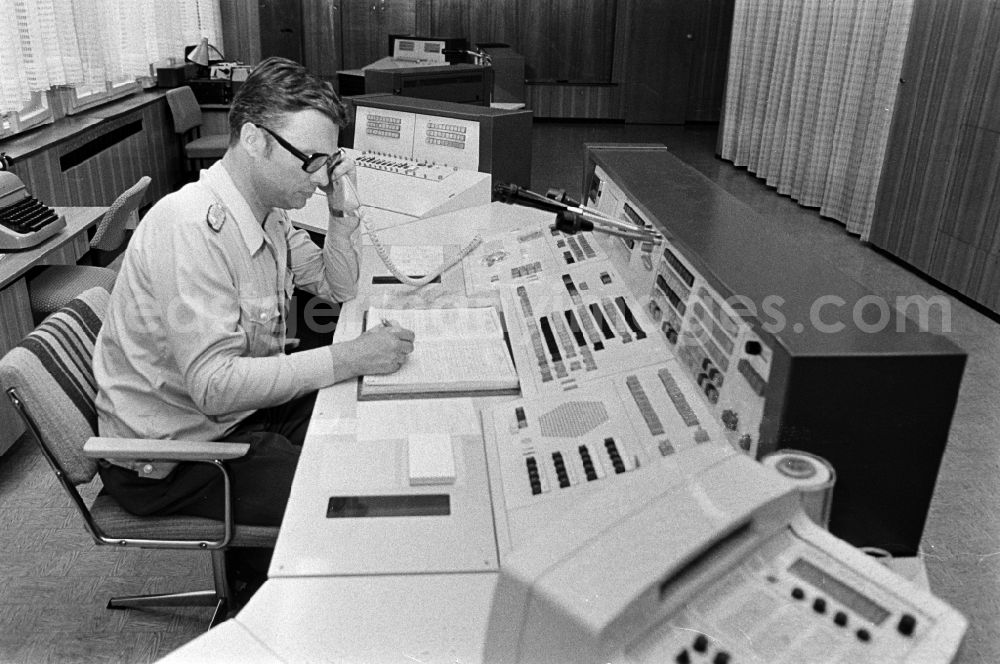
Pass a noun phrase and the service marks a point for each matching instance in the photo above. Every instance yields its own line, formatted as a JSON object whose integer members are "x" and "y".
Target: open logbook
{"x": 454, "y": 351}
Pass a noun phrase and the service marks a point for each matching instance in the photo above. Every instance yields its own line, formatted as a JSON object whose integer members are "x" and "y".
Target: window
{"x": 36, "y": 112}
{"x": 81, "y": 97}
{"x": 82, "y": 53}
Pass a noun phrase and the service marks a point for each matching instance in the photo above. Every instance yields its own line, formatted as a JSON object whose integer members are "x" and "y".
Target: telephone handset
{"x": 383, "y": 253}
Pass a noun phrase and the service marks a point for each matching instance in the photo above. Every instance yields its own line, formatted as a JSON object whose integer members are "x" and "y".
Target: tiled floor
{"x": 54, "y": 583}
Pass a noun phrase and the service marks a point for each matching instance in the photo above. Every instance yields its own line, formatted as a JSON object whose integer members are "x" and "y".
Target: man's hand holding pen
{"x": 380, "y": 349}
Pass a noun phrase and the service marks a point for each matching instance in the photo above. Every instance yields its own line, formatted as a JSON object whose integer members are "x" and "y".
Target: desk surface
{"x": 78, "y": 219}
{"x": 309, "y": 544}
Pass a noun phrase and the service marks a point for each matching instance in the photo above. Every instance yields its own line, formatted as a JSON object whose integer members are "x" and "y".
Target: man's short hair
{"x": 278, "y": 86}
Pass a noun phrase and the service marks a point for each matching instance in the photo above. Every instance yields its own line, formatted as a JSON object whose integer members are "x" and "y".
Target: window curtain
{"x": 87, "y": 42}
{"x": 810, "y": 96}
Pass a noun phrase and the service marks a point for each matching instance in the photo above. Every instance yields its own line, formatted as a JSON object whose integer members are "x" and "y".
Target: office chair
{"x": 50, "y": 380}
{"x": 187, "y": 122}
{"x": 56, "y": 285}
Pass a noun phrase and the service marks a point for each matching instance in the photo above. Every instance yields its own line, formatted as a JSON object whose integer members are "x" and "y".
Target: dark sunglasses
{"x": 310, "y": 162}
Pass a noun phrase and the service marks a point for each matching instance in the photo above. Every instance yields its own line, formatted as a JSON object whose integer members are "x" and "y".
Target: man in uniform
{"x": 193, "y": 344}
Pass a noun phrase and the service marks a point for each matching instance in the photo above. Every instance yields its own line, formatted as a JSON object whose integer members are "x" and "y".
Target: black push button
{"x": 907, "y": 623}
{"x": 721, "y": 657}
{"x": 840, "y": 618}
{"x": 819, "y": 605}
{"x": 683, "y": 657}
{"x": 864, "y": 635}
{"x": 798, "y": 593}
{"x": 700, "y": 643}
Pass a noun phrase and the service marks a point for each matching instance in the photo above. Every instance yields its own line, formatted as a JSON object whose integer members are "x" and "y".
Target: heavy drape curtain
{"x": 87, "y": 42}
{"x": 810, "y": 95}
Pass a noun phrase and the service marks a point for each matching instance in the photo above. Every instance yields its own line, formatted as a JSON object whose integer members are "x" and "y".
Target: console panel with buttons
{"x": 719, "y": 350}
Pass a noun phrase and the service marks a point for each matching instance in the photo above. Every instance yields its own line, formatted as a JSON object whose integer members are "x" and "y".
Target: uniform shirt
{"x": 193, "y": 339}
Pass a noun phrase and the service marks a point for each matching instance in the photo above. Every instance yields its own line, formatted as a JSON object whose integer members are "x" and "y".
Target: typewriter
{"x": 24, "y": 222}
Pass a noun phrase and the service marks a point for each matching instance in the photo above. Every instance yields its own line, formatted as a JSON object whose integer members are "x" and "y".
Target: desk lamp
{"x": 200, "y": 55}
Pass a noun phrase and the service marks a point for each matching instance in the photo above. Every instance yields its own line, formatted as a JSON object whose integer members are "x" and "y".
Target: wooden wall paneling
{"x": 558, "y": 100}
{"x": 940, "y": 139}
{"x": 99, "y": 179}
{"x": 659, "y": 51}
{"x": 155, "y": 151}
{"x": 589, "y": 39}
{"x": 939, "y": 195}
{"x": 972, "y": 199}
{"x": 67, "y": 254}
{"x": 282, "y": 29}
{"x": 359, "y": 31}
{"x": 40, "y": 173}
{"x": 14, "y": 325}
{"x": 990, "y": 294}
{"x": 497, "y": 21}
{"x": 963, "y": 263}
{"x": 974, "y": 191}
{"x": 619, "y": 64}
{"x": 163, "y": 154}
{"x": 706, "y": 90}
{"x": 479, "y": 22}
{"x": 444, "y": 18}
{"x": 398, "y": 17}
{"x": 241, "y": 30}
{"x": 922, "y": 149}
{"x": 321, "y": 38}
{"x": 568, "y": 40}
{"x": 367, "y": 25}
{"x": 533, "y": 40}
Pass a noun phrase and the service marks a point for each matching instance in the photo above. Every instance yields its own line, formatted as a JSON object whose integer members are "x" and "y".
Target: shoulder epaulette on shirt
{"x": 216, "y": 216}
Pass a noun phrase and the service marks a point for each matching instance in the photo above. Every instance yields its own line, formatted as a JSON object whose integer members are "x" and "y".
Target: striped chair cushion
{"x": 52, "y": 373}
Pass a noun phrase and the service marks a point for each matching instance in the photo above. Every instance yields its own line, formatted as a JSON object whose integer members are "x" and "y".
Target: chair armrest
{"x": 168, "y": 450}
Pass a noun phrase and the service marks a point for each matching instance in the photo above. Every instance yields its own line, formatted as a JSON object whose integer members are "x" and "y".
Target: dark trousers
{"x": 260, "y": 481}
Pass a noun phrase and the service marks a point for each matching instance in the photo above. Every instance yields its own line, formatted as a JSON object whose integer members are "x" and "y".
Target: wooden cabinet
{"x": 938, "y": 202}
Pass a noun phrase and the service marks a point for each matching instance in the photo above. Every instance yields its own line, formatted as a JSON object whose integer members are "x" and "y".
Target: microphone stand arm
{"x": 595, "y": 219}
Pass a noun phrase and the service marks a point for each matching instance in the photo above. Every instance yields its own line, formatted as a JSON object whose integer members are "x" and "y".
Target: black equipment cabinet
{"x": 875, "y": 400}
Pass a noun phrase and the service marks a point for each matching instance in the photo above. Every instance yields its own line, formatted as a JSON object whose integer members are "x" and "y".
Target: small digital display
{"x": 414, "y": 504}
{"x": 840, "y": 591}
